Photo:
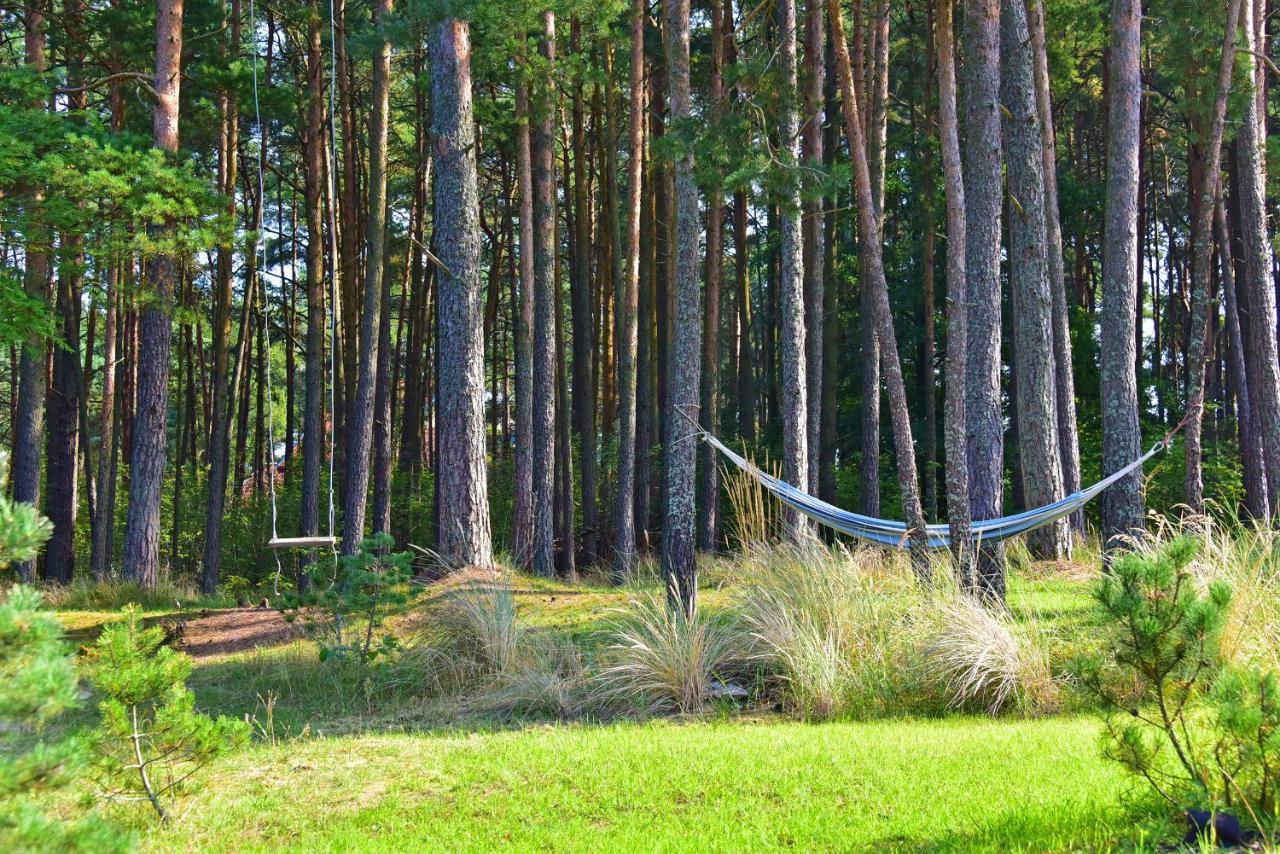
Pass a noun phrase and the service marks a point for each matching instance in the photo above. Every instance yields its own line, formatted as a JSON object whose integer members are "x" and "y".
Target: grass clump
{"x": 659, "y": 660}
{"x": 112, "y": 594}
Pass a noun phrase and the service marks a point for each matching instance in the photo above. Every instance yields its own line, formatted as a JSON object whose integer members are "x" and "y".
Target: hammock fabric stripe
{"x": 890, "y": 533}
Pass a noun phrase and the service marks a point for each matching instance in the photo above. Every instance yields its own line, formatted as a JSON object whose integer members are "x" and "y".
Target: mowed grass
{"x": 960, "y": 784}
{"x": 341, "y": 764}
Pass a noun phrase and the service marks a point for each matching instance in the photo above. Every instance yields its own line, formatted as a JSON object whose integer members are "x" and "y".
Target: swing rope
{"x": 259, "y": 250}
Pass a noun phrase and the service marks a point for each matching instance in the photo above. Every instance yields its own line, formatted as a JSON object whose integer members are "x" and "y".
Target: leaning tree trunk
{"x": 1064, "y": 373}
{"x": 464, "y": 537}
{"x": 628, "y": 307}
{"x": 544, "y": 319}
{"x": 984, "y": 422}
{"x": 146, "y": 470}
{"x": 957, "y": 469}
{"x": 1122, "y": 504}
{"x": 1038, "y": 453}
{"x": 791, "y": 326}
{"x": 678, "y": 559}
{"x": 361, "y": 413}
{"x": 28, "y": 428}
{"x": 1260, "y": 294}
{"x": 869, "y": 234}
{"x": 1202, "y": 261}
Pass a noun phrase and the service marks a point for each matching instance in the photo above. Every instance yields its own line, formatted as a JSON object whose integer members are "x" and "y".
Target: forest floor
{"x": 338, "y": 766}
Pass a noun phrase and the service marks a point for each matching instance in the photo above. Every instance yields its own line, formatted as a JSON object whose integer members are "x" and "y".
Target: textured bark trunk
{"x": 360, "y": 410}
{"x": 709, "y": 465}
{"x": 1256, "y": 244}
{"x": 746, "y": 351}
{"x": 522, "y": 521}
{"x": 584, "y": 389}
{"x": 1254, "y": 472}
{"x": 815, "y": 38}
{"x": 646, "y": 392}
{"x": 103, "y": 521}
{"x": 383, "y": 416}
{"x": 1040, "y": 460}
{"x": 544, "y": 349}
{"x": 1122, "y": 505}
{"x": 564, "y": 512}
{"x": 928, "y": 302}
{"x": 984, "y": 423}
{"x": 464, "y": 536}
{"x": 313, "y": 177}
{"x": 1205, "y": 190}
{"x": 869, "y": 234}
{"x": 28, "y": 427}
{"x": 64, "y": 421}
{"x": 791, "y": 297}
{"x": 678, "y": 559}
{"x": 957, "y": 469}
{"x": 628, "y": 305}
{"x": 219, "y": 426}
{"x": 146, "y": 470}
{"x": 1064, "y": 371}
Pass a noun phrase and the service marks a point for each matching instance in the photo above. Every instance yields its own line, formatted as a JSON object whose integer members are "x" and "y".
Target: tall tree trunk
{"x": 584, "y": 387}
{"x": 1202, "y": 259}
{"x": 1122, "y": 504}
{"x": 1036, "y": 413}
{"x": 815, "y": 39}
{"x": 709, "y": 469}
{"x": 791, "y": 325}
{"x": 522, "y": 521}
{"x": 464, "y": 536}
{"x": 360, "y": 410}
{"x": 1064, "y": 373}
{"x": 32, "y": 375}
{"x": 873, "y": 112}
{"x": 957, "y": 469}
{"x": 219, "y": 444}
{"x": 628, "y": 297}
{"x": 984, "y": 423}
{"x": 99, "y": 550}
{"x": 678, "y": 559}
{"x": 544, "y": 299}
{"x": 146, "y": 470}
{"x": 928, "y": 303}
{"x": 869, "y": 233}
{"x": 1261, "y": 296}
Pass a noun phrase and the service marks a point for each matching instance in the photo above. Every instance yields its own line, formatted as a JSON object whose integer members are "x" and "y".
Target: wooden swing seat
{"x": 300, "y": 542}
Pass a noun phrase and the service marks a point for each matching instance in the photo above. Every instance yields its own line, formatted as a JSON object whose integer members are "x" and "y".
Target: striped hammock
{"x": 896, "y": 534}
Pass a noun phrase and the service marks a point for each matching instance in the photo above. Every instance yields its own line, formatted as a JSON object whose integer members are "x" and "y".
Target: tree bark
{"x": 522, "y": 521}
{"x": 544, "y": 349}
{"x": 1038, "y": 451}
{"x": 869, "y": 234}
{"x": 146, "y": 470}
{"x": 464, "y": 537}
{"x": 984, "y": 423}
{"x": 361, "y": 409}
{"x": 1122, "y": 505}
{"x": 815, "y": 39}
{"x": 678, "y": 558}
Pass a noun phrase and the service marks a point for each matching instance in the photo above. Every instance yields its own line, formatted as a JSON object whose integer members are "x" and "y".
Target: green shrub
{"x": 151, "y": 740}
{"x": 1177, "y": 715}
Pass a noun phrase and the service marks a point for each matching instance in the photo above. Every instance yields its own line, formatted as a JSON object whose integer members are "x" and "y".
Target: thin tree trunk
{"x": 522, "y": 521}
{"x": 628, "y": 307}
{"x": 678, "y": 558}
{"x": 1122, "y": 504}
{"x": 99, "y": 554}
{"x": 146, "y": 471}
{"x": 869, "y": 232}
{"x": 462, "y": 488}
{"x": 361, "y": 409}
{"x": 815, "y": 38}
{"x": 544, "y": 349}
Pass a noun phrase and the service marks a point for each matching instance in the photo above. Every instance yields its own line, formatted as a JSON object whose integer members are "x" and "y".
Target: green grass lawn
{"x": 336, "y": 767}
{"x": 956, "y": 785}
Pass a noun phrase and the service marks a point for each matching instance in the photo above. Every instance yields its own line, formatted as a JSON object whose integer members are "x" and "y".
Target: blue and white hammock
{"x": 890, "y": 533}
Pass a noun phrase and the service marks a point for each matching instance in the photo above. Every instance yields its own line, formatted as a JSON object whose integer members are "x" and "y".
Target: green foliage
{"x": 22, "y": 529}
{"x": 1197, "y": 731}
{"x": 151, "y": 740}
{"x": 358, "y": 589}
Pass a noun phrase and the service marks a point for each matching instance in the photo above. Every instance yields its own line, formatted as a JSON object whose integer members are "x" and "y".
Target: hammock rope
{"x": 896, "y": 534}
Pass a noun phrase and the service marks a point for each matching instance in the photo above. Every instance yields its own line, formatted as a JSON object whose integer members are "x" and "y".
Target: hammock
{"x": 896, "y": 534}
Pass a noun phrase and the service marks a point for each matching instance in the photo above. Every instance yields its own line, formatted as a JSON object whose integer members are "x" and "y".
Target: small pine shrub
{"x": 151, "y": 740}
